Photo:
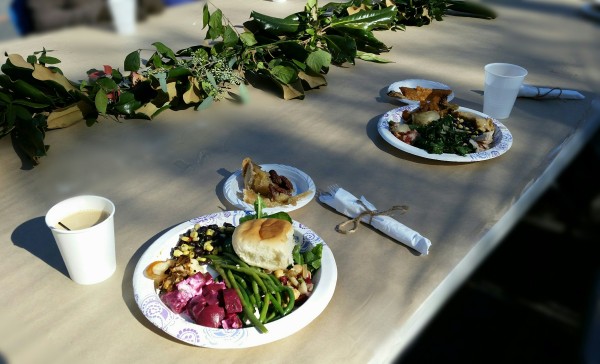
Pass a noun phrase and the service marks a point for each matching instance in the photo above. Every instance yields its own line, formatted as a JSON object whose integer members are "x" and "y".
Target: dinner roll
{"x": 266, "y": 243}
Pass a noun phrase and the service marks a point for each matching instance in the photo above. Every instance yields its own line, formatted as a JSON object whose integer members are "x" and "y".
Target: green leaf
{"x": 205, "y": 15}
{"x": 368, "y": 20}
{"x": 156, "y": 60}
{"x": 178, "y": 72}
{"x": 107, "y": 84}
{"x": 243, "y": 91}
{"x": 370, "y": 57}
{"x": 274, "y": 25}
{"x": 165, "y": 51}
{"x": 211, "y": 79}
{"x": 248, "y": 39}
{"x": 101, "y": 101}
{"x": 364, "y": 39}
{"x": 48, "y": 60}
{"x": 215, "y": 25}
{"x": 284, "y": 74}
{"x": 318, "y": 59}
{"x": 29, "y": 137}
{"x": 30, "y": 92}
{"x": 342, "y": 48}
{"x": 132, "y": 61}
{"x": 127, "y": 103}
{"x": 294, "y": 51}
{"x": 29, "y": 104}
{"x": 205, "y": 104}
{"x": 230, "y": 37}
{"x": 162, "y": 80}
{"x": 281, "y": 215}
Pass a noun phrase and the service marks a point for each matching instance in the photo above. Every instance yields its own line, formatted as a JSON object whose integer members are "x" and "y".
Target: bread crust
{"x": 265, "y": 243}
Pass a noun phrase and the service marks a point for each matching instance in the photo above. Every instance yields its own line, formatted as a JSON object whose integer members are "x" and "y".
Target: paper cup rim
{"x": 56, "y": 206}
{"x": 488, "y": 66}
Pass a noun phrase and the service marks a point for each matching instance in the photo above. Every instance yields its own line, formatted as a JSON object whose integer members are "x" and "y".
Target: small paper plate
{"x": 412, "y": 83}
{"x": 234, "y": 186}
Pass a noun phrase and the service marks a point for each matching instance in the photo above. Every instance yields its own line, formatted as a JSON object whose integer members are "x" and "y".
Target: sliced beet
{"x": 232, "y": 321}
{"x": 231, "y": 301}
{"x": 210, "y": 316}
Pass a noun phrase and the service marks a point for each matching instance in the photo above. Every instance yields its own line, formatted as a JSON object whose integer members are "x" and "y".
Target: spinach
{"x": 442, "y": 136}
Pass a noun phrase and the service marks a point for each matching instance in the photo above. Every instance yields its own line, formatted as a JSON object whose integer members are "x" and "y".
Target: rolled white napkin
{"x": 347, "y": 204}
{"x": 548, "y": 93}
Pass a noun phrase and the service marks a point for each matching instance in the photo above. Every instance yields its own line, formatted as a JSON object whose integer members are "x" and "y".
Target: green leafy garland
{"x": 291, "y": 54}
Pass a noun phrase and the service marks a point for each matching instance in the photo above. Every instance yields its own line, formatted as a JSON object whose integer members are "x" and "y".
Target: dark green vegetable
{"x": 441, "y": 136}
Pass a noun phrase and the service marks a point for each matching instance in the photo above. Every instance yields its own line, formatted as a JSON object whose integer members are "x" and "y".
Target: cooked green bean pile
{"x": 259, "y": 292}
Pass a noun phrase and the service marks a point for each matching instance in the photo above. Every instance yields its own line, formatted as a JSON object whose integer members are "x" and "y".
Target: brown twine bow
{"x": 371, "y": 213}
{"x": 540, "y": 95}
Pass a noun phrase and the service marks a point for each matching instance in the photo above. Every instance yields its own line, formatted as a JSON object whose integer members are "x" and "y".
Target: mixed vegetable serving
{"x": 205, "y": 279}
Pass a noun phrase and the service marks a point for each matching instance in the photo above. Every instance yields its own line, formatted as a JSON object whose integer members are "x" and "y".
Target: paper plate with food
{"x": 235, "y": 279}
{"x": 282, "y": 188}
{"x": 445, "y": 132}
{"x": 414, "y": 91}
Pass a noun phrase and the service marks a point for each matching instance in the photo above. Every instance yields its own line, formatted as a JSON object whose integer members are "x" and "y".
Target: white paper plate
{"x": 502, "y": 140}
{"x": 182, "y": 328}
{"x": 412, "y": 83}
{"x": 234, "y": 186}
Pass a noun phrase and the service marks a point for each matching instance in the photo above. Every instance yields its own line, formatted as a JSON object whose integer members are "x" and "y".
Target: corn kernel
{"x": 177, "y": 253}
{"x": 184, "y": 238}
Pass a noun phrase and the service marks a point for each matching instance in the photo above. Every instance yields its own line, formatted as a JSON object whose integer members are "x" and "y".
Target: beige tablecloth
{"x": 162, "y": 172}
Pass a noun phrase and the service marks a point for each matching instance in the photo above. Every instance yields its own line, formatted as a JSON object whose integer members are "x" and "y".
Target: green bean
{"x": 256, "y": 275}
{"x": 272, "y": 316}
{"x": 276, "y": 304}
{"x": 277, "y": 282}
{"x": 247, "y": 307}
{"x": 241, "y": 282}
{"x": 221, "y": 272}
{"x": 255, "y": 291}
{"x": 236, "y": 260}
{"x": 291, "y": 300}
{"x": 265, "y": 308}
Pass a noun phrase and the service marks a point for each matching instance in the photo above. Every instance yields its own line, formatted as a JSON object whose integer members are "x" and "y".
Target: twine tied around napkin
{"x": 371, "y": 213}
{"x": 359, "y": 209}
{"x": 539, "y": 93}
